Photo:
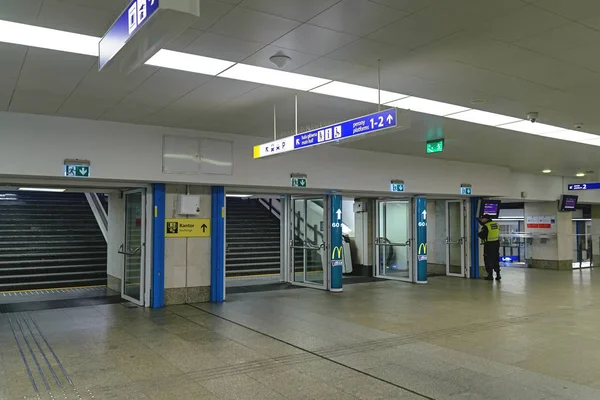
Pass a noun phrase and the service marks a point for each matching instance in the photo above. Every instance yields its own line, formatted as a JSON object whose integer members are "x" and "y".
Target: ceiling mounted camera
{"x": 532, "y": 117}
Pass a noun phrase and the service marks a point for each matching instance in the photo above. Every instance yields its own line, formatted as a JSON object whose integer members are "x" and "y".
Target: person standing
{"x": 490, "y": 237}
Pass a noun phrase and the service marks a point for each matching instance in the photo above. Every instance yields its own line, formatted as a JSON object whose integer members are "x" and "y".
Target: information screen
{"x": 492, "y": 208}
{"x": 568, "y": 203}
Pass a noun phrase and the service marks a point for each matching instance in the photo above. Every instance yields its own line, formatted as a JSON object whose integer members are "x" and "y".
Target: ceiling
{"x": 516, "y": 56}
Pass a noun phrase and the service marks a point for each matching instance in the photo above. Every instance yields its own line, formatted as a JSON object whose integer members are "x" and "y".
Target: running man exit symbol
{"x": 77, "y": 171}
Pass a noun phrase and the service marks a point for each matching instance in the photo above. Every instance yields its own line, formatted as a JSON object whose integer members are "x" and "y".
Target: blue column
{"x": 474, "y": 239}
{"x": 336, "y": 240}
{"x": 421, "y": 241}
{"x": 158, "y": 247}
{"x": 217, "y": 247}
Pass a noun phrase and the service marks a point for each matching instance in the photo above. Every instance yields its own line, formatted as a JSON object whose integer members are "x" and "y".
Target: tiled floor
{"x": 534, "y": 336}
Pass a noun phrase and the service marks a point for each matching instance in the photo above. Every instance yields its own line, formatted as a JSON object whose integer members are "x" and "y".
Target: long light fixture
{"x": 189, "y": 62}
{"x": 357, "y": 92}
{"x": 242, "y": 196}
{"x": 427, "y": 106}
{"x": 45, "y": 38}
{"x": 53, "y": 39}
{"x": 268, "y": 76}
{"x": 483, "y": 118}
{"x": 25, "y": 189}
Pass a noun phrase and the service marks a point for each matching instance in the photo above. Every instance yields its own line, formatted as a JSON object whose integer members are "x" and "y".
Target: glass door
{"x": 133, "y": 248}
{"x": 308, "y": 249}
{"x": 455, "y": 234}
{"x": 393, "y": 240}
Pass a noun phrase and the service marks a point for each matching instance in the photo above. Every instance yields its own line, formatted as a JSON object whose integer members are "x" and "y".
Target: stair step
{"x": 52, "y": 284}
{"x": 53, "y": 261}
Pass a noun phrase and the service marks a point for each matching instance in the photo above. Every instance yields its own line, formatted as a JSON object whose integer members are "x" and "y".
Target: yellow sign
{"x": 338, "y": 250}
{"x": 422, "y": 248}
{"x": 193, "y": 227}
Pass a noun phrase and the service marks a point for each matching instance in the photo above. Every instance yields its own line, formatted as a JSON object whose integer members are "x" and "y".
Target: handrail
{"x": 99, "y": 213}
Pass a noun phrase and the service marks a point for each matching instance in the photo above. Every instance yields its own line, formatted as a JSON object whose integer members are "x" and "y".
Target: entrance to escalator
{"x": 308, "y": 248}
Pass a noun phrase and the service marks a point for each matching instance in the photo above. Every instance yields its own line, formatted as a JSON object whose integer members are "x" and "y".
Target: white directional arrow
{"x": 424, "y": 214}
{"x": 339, "y": 214}
{"x": 83, "y": 171}
{"x": 390, "y": 119}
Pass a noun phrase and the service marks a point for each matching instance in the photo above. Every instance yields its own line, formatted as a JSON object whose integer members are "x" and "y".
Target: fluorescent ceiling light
{"x": 189, "y": 62}
{"x": 580, "y": 174}
{"x": 267, "y": 76}
{"x": 356, "y": 92}
{"x": 532, "y": 128}
{"x": 52, "y": 39}
{"x": 41, "y": 190}
{"x": 573, "y": 136}
{"x": 483, "y": 118}
{"x": 239, "y": 195}
{"x": 546, "y": 171}
{"x": 427, "y": 106}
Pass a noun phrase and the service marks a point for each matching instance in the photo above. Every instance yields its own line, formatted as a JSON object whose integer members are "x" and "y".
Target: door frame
{"x": 291, "y": 273}
{"x": 462, "y": 240}
{"x": 144, "y": 292}
{"x": 409, "y": 243}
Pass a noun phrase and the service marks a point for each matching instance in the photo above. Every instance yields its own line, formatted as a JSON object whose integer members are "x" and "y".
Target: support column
{"x": 336, "y": 240}
{"x": 595, "y": 233}
{"x": 552, "y": 245}
{"x": 158, "y": 247}
{"x": 421, "y": 239}
{"x": 217, "y": 249}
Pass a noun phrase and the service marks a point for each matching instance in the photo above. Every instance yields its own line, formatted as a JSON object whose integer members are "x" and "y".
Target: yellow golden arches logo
{"x": 422, "y": 248}
{"x": 339, "y": 250}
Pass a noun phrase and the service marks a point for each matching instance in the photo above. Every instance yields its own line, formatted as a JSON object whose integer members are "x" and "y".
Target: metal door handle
{"x": 131, "y": 252}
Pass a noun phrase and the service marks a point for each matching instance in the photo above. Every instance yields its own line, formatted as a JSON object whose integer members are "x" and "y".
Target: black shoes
{"x": 498, "y": 278}
{"x": 489, "y": 278}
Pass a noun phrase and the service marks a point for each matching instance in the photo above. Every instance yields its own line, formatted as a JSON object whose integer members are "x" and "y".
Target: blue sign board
{"x": 137, "y": 13}
{"x": 584, "y": 186}
{"x": 421, "y": 239}
{"x": 337, "y": 244}
{"x": 344, "y": 130}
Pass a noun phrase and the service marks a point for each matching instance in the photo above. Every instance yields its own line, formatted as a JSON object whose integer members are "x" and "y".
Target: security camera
{"x": 532, "y": 116}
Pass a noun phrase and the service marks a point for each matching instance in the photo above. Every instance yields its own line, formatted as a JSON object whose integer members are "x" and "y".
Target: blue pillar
{"x": 336, "y": 240}
{"x": 158, "y": 247}
{"x": 217, "y": 245}
{"x": 474, "y": 239}
{"x": 421, "y": 242}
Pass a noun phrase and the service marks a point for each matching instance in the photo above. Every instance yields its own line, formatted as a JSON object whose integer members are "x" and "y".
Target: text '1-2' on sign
{"x": 329, "y": 134}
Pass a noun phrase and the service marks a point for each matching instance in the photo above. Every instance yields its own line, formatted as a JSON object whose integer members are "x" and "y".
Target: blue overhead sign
{"x": 137, "y": 13}
{"x": 584, "y": 186}
{"x": 333, "y": 133}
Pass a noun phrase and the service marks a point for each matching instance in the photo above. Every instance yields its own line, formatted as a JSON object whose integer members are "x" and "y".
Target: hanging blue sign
{"x": 421, "y": 242}
{"x": 337, "y": 244}
{"x": 584, "y": 186}
{"x": 137, "y": 13}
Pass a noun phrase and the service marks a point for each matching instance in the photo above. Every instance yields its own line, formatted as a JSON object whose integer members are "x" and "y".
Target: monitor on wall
{"x": 491, "y": 208}
{"x": 568, "y": 202}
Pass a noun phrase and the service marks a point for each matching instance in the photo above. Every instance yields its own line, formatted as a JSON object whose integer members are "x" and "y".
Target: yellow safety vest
{"x": 493, "y": 231}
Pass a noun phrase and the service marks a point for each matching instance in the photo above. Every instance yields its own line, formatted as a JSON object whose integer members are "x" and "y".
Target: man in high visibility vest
{"x": 490, "y": 237}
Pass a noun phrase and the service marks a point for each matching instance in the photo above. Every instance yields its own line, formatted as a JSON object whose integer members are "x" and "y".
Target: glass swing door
{"x": 393, "y": 240}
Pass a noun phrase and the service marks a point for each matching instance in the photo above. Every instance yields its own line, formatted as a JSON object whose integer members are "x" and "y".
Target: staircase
{"x": 49, "y": 240}
{"x": 253, "y": 239}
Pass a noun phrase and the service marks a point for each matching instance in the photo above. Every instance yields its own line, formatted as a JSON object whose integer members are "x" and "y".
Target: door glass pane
{"x": 454, "y": 238}
{"x": 133, "y": 246}
{"x": 394, "y": 235}
{"x": 298, "y": 235}
{"x": 308, "y": 254}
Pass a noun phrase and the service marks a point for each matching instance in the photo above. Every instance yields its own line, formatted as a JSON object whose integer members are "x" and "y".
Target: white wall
{"x": 37, "y": 146}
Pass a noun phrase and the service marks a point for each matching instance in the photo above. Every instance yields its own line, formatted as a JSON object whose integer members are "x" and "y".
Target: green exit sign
{"x": 77, "y": 171}
{"x": 299, "y": 182}
{"x": 435, "y": 146}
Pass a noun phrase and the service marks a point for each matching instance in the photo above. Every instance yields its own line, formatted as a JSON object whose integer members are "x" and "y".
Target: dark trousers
{"x": 491, "y": 257}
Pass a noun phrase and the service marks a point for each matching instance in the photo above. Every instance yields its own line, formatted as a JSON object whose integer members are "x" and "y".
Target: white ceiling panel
{"x": 253, "y": 25}
{"x": 211, "y": 11}
{"x": 25, "y": 12}
{"x": 112, "y": 85}
{"x": 114, "y": 6}
{"x": 329, "y": 68}
{"x": 315, "y": 40}
{"x": 183, "y": 41}
{"x": 223, "y": 47}
{"x": 130, "y": 111}
{"x": 57, "y": 14}
{"x": 213, "y": 93}
{"x": 11, "y": 61}
{"x": 36, "y": 102}
{"x": 573, "y": 9}
{"x": 357, "y": 17}
{"x": 367, "y": 52}
{"x": 166, "y": 86}
{"x": 407, "y": 5}
{"x": 234, "y": 2}
{"x": 6, "y": 92}
{"x": 293, "y": 9}
{"x": 261, "y": 58}
{"x": 87, "y": 107}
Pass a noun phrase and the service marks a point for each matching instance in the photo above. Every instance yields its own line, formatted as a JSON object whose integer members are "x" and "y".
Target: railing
{"x": 99, "y": 212}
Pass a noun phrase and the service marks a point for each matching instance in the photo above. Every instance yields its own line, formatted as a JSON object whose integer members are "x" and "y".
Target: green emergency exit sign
{"x": 435, "y": 146}
{"x": 77, "y": 171}
{"x": 299, "y": 182}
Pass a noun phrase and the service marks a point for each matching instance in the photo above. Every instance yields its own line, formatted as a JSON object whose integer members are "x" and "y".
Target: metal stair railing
{"x": 99, "y": 212}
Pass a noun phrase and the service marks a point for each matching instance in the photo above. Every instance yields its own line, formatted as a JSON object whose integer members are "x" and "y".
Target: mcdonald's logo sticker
{"x": 337, "y": 250}
{"x": 422, "y": 248}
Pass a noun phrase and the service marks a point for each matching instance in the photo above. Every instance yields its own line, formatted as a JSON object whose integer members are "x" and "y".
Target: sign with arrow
{"x": 77, "y": 171}
{"x": 330, "y": 134}
{"x": 184, "y": 228}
